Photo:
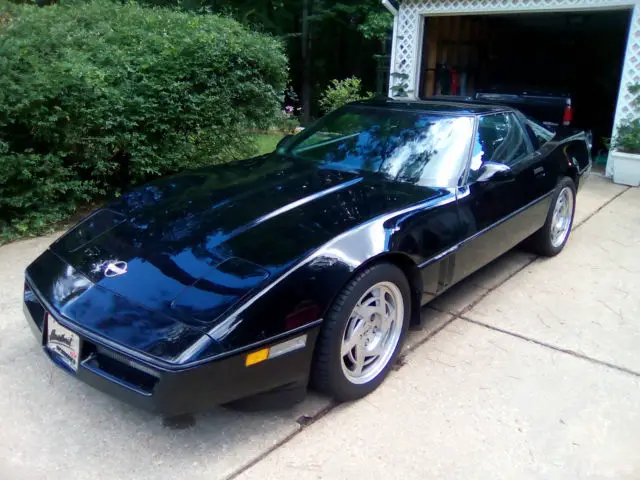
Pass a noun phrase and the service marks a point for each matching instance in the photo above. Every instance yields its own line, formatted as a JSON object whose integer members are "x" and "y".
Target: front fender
{"x": 303, "y": 294}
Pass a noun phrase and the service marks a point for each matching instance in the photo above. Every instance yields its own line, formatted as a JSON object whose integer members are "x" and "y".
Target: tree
{"x": 366, "y": 19}
{"x": 326, "y": 39}
{"x": 306, "y": 61}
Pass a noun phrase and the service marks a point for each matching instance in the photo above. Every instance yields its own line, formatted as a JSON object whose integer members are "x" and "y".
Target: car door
{"x": 547, "y": 159}
{"x": 497, "y": 204}
{"x": 433, "y": 170}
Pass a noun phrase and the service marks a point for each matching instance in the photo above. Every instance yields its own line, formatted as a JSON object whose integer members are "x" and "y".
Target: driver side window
{"x": 500, "y": 139}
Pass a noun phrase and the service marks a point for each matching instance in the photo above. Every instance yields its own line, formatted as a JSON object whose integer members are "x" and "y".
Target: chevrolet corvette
{"x": 306, "y": 266}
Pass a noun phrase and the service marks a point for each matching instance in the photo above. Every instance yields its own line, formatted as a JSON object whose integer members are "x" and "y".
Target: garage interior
{"x": 579, "y": 54}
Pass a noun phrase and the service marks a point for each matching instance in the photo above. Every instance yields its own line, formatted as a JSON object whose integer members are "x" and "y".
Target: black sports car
{"x": 254, "y": 278}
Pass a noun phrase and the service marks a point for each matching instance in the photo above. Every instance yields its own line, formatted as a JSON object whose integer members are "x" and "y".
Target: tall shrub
{"x": 96, "y": 96}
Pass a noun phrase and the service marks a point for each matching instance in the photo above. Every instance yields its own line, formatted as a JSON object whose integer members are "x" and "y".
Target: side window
{"x": 541, "y": 134}
{"x": 500, "y": 139}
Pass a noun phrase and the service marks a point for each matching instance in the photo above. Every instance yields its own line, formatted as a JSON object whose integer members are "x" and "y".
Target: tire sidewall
{"x": 565, "y": 182}
{"x": 337, "y": 320}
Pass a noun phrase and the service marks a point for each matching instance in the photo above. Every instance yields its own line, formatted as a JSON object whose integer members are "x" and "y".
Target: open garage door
{"x": 578, "y": 56}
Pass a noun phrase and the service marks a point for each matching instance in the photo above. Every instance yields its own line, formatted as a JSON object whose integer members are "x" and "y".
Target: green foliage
{"x": 627, "y": 137}
{"x": 341, "y": 92}
{"x": 281, "y": 16}
{"x": 399, "y": 88}
{"x": 377, "y": 25}
{"x": 7, "y": 12}
{"x": 98, "y": 96}
{"x": 287, "y": 121}
{"x": 368, "y": 16}
{"x": 36, "y": 190}
{"x": 342, "y": 37}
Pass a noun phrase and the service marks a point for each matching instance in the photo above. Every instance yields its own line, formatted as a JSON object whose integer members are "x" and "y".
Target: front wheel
{"x": 552, "y": 237}
{"x": 363, "y": 333}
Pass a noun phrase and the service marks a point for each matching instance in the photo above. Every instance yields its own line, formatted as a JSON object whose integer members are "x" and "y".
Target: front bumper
{"x": 171, "y": 391}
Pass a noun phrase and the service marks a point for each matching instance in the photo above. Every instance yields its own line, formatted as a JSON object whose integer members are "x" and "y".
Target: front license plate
{"x": 63, "y": 343}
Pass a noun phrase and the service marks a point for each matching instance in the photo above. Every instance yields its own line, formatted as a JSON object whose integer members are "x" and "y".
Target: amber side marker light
{"x": 276, "y": 350}
{"x": 256, "y": 357}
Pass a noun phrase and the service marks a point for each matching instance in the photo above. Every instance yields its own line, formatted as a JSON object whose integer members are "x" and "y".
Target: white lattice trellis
{"x": 408, "y": 35}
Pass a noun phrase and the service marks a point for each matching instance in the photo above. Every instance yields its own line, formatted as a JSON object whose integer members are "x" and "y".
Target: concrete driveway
{"x": 528, "y": 369}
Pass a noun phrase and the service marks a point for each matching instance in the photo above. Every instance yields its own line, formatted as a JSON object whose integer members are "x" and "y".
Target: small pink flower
{"x": 288, "y": 108}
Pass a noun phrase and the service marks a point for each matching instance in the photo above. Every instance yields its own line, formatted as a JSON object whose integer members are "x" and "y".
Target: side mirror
{"x": 282, "y": 141}
{"x": 495, "y": 172}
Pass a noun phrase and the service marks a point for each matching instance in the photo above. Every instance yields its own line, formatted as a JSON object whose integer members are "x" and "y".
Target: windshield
{"x": 423, "y": 148}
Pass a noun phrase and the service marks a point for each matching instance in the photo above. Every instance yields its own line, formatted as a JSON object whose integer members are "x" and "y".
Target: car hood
{"x": 68, "y": 293}
{"x": 198, "y": 244}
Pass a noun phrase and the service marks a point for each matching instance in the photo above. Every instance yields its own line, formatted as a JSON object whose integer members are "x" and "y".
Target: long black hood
{"x": 198, "y": 244}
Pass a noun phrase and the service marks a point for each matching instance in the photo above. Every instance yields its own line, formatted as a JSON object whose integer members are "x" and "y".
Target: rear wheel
{"x": 363, "y": 333}
{"x": 553, "y": 236}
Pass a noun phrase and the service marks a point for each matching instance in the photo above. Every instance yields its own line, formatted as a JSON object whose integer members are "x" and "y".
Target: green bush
{"x": 37, "y": 190}
{"x": 287, "y": 122}
{"x": 98, "y": 96}
{"x": 341, "y": 92}
{"x": 627, "y": 138}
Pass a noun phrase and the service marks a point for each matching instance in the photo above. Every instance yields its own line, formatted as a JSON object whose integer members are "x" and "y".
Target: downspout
{"x": 394, "y": 11}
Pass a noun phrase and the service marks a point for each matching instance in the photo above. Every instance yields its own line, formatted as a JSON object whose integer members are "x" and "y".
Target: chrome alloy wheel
{"x": 372, "y": 332}
{"x": 562, "y": 216}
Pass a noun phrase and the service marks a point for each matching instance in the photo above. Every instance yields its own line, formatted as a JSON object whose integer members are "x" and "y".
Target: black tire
{"x": 327, "y": 374}
{"x": 541, "y": 241}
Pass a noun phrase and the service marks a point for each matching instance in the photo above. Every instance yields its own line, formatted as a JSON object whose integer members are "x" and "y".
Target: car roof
{"x": 450, "y": 106}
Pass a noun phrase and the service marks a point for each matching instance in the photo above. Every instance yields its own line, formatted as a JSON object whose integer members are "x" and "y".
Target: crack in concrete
{"x": 597, "y": 210}
{"x": 310, "y": 420}
{"x": 403, "y": 355}
{"x": 568, "y": 351}
{"x": 473, "y": 303}
{"x": 617, "y": 313}
{"x": 542, "y": 321}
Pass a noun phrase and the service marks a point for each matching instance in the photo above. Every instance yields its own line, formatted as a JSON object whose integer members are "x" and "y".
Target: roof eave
{"x": 391, "y": 5}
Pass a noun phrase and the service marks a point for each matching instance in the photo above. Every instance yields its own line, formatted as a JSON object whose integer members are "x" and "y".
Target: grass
{"x": 266, "y": 142}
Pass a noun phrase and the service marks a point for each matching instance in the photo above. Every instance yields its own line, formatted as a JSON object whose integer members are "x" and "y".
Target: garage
{"x": 583, "y": 51}
{"x": 577, "y": 56}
